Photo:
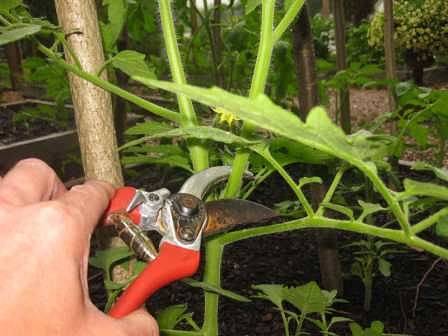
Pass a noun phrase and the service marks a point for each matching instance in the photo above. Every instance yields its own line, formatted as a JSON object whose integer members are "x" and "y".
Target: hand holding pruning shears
{"x": 45, "y": 235}
{"x": 182, "y": 219}
{"x": 44, "y": 245}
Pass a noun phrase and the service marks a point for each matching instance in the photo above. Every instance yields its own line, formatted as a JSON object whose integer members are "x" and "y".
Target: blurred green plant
{"x": 421, "y": 32}
{"x": 310, "y": 304}
{"x": 370, "y": 260}
{"x": 422, "y": 115}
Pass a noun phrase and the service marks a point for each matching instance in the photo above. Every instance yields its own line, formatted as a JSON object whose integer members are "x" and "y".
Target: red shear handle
{"x": 123, "y": 196}
{"x": 173, "y": 263}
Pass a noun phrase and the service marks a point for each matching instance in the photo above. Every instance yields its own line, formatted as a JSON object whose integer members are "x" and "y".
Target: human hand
{"x": 45, "y": 235}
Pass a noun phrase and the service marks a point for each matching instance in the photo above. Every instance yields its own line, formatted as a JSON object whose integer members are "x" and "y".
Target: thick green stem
{"x": 430, "y": 221}
{"x": 257, "y": 87}
{"x": 212, "y": 275}
{"x": 199, "y": 154}
{"x": 264, "y": 56}
{"x": 153, "y": 108}
{"x": 319, "y": 222}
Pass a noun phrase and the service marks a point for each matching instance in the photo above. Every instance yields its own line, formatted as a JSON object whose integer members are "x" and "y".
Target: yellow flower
{"x": 225, "y": 116}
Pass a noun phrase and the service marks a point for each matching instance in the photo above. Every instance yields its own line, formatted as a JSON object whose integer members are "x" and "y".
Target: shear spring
{"x": 133, "y": 236}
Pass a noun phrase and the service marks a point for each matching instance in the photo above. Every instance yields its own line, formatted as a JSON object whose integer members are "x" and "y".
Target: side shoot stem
{"x": 257, "y": 87}
{"x": 198, "y": 153}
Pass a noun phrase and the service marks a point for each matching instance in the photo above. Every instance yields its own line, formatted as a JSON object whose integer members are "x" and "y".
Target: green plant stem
{"x": 407, "y": 125}
{"x": 153, "y": 108}
{"x": 319, "y": 222}
{"x": 368, "y": 283}
{"x": 393, "y": 203}
{"x": 212, "y": 275}
{"x": 262, "y": 175}
{"x": 332, "y": 189}
{"x": 285, "y": 322}
{"x": 300, "y": 324}
{"x": 257, "y": 87}
{"x": 428, "y": 222}
{"x": 299, "y": 193}
{"x": 239, "y": 166}
{"x": 199, "y": 154}
{"x": 289, "y": 17}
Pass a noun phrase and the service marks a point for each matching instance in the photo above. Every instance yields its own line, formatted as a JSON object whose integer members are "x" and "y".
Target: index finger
{"x": 87, "y": 203}
{"x": 30, "y": 181}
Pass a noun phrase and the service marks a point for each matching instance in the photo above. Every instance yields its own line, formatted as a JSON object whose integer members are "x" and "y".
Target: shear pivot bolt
{"x": 153, "y": 197}
{"x": 187, "y": 205}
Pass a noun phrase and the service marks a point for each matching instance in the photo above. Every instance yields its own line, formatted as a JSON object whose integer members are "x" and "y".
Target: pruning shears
{"x": 182, "y": 219}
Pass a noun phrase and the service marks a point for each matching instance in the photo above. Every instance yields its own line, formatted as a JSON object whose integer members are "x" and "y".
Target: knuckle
{"x": 53, "y": 218}
{"x": 92, "y": 191}
{"x": 35, "y": 163}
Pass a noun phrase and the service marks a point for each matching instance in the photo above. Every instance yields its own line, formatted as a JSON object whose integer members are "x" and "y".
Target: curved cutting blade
{"x": 224, "y": 215}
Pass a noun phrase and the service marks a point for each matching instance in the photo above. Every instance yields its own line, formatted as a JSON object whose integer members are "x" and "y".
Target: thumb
{"x": 139, "y": 323}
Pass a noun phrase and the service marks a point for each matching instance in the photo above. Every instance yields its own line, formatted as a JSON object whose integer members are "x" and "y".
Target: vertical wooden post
{"x": 14, "y": 58}
{"x": 326, "y": 8}
{"x": 343, "y": 101}
{"x": 305, "y": 59}
{"x": 93, "y": 105}
{"x": 389, "y": 50}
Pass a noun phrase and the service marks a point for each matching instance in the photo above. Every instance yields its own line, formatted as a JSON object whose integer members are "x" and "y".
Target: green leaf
{"x": 273, "y": 293}
{"x": 440, "y": 107}
{"x": 307, "y": 180}
{"x": 17, "y": 32}
{"x": 339, "y": 208}
{"x": 251, "y": 5}
{"x": 339, "y": 319}
{"x": 442, "y": 227}
{"x": 171, "y": 160}
{"x": 132, "y": 63}
{"x": 7, "y": 5}
{"x": 419, "y": 133}
{"x": 319, "y": 133}
{"x": 356, "y": 329}
{"x": 116, "y": 15}
{"x": 369, "y": 209}
{"x": 415, "y": 188}
{"x": 384, "y": 267}
{"x": 169, "y": 317}
{"x": 104, "y": 259}
{"x": 441, "y": 173}
{"x": 288, "y": 151}
{"x": 198, "y": 132}
{"x": 307, "y": 298}
{"x": 217, "y": 290}
{"x": 148, "y": 128}
{"x": 377, "y": 327}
